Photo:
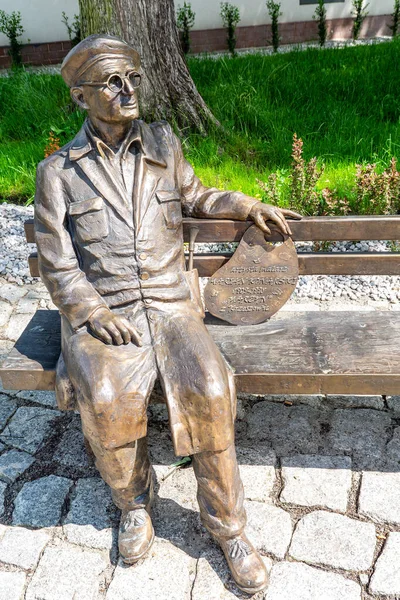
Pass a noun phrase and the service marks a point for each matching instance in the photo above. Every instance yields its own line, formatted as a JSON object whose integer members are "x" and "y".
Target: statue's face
{"x": 99, "y": 94}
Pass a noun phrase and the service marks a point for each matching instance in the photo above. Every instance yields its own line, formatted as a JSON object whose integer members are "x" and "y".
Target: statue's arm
{"x": 59, "y": 269}
{"x": 202, "y": 202}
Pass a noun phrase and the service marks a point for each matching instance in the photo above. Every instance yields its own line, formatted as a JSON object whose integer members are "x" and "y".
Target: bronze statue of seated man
{"x": 108, "y": 223}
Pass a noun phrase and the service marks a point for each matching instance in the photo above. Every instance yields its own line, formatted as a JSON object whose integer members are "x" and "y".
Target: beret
{"x": 91, "y": 50}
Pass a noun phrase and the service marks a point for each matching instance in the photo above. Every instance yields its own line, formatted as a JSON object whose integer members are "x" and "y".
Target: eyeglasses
{"x": 115, "y": 83}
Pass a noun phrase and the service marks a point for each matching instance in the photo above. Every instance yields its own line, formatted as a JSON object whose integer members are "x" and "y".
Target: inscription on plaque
{"x": 256, "y": 282}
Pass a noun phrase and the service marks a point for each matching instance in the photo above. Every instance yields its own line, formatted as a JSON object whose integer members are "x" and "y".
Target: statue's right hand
{"x": 112, "y": 329}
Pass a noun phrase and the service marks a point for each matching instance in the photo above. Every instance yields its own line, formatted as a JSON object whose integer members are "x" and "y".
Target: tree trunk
{"x": 167, "y": 91}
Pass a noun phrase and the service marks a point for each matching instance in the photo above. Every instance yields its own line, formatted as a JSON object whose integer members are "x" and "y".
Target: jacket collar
{"x": 86, "y": 141}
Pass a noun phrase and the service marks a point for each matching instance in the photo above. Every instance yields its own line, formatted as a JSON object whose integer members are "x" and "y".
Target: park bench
{"x": 343, "y": 352}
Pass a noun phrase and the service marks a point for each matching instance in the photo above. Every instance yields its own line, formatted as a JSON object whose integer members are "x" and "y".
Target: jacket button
{"x": 148, "y": 301}
{"x": 144, "y": 276}
{"x": 143, "y": 256}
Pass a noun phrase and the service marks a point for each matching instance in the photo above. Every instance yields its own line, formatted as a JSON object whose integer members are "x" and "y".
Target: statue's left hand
{"x": 266, "y": 212}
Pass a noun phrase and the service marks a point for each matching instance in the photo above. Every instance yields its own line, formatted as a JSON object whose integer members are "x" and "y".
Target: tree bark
{"x": 167, "y": 91}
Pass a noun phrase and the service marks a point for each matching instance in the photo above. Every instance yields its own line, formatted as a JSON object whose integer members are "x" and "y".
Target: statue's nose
{"x": 128, "y": 88}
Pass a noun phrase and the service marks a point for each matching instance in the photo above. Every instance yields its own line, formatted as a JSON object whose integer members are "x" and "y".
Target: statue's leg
{"x": 127, "y": 471}
{"x": 220, "y": 492}
{"x": 113, "y": 385}
{"x": 201, "y": 399}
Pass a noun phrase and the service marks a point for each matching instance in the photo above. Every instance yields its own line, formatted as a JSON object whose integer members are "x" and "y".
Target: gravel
{"x": 14, "y": 252}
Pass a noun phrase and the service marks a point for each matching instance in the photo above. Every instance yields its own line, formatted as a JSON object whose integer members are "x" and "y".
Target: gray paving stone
{"x": 5, "y": 313}
{"x": 313, "y": 400}
{"x": 88, "y": 522}
{"x": 5, "y": 348}
{"x": 317, "y": 481}
{"x": 16, "y": 326}
{"x": 27, "y": 306}
{"x": 393, "y": 403}
{"x": 213, "y": 580}
{"x": 176, "y": 510}
{"x": 71, "y": 450}
{"x": 41, "y": 397}
{"x": 39, "y": 502}
{"x": 269, "y": 528}
{"x": 364, "y": 432}
{"x": 29, "y": 427}
{"x": 12, "y": 293}
{"x": 7, "y": 409}
{"x": 12, "y": 585}
{"x": 393, "y": 447}
{"x": 293, "y": 581}
{"x": 379, "y": 497}
{"x": 67, "y": 572}
{"x": 386, "y": 577}
{"x": 13, "y": 463}
{"x": 375, "y": 402}
{"x": 2, "y": 495}
{"x": 166, "y": 574}
{"x": 324, "y": 538}
{"x": 2, "y": 447}
{"x": 180, "y": 487}
{"x": 257, "y": 470}
{"x": 289, "y": 429}
{"x": 22, "y": 547}
{"x": 38, "y": 292}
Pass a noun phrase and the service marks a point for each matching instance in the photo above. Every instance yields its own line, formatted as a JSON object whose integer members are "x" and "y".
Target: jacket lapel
{"x": 148, "y": 164}
{"x": 100, "y": 176}
{"x": 149, "y": 161}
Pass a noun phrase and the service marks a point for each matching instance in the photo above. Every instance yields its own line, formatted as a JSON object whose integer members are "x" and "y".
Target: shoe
{"x": 136, "y": 535}
{"x": 245, "y": 564}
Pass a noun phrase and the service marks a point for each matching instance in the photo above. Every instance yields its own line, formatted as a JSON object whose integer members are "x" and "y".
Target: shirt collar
{"x": 141, "y": 133}
{"x": 103, "y": 149}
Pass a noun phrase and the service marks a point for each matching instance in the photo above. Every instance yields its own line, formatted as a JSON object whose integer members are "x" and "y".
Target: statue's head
{"x": 102, "y": 72}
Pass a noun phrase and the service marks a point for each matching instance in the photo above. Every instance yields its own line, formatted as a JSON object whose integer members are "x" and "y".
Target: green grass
{"x": 344, "y": 104}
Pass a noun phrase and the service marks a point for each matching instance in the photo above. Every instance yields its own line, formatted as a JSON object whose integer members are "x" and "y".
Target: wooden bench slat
{"x": 315, "y": 263}
{"x": 308, "y": 229}
{"x": 326, "y": 352}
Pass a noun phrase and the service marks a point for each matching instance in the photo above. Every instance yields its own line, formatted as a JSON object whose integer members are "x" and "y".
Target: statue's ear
{"x": 78, "y": 98}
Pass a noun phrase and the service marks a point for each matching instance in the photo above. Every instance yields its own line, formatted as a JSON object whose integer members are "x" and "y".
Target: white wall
{"x": 254, "y": 12}
{"x": 42, "y": 18}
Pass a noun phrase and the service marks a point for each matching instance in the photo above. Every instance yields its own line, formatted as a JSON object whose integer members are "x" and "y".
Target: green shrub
{"x": 230, "y": 18}
{"x": 274, "y": 10}
{"x": 320, "y": 17}
{"x": 74, "y": 28}
{"x": 359, "y": 12}
{"x": 12, "y": 27}
{"x": 394, "y": 27}
{"x": 185, "y": 21}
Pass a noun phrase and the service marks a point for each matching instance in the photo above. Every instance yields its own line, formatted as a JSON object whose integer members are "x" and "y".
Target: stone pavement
{"x": 322, "y": 481}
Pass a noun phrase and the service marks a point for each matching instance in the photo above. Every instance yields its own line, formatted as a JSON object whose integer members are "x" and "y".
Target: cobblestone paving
{"x": 322, "y": 481}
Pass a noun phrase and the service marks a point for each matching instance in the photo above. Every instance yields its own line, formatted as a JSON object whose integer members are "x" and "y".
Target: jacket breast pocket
{"x": 89, "y": 219}
{"x": 170, "y": 202}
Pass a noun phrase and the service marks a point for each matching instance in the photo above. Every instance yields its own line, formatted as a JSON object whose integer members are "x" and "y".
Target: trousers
{"x": 113, "y": 386}
{"x": 219, "y": 488}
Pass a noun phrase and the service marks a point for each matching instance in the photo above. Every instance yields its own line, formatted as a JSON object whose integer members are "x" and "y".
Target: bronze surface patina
{"x": 108, "y": 226}
{"x": 256, "y": 282}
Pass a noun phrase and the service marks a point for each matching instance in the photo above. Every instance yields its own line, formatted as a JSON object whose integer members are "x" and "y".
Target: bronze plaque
{"x": 256, "y": 282}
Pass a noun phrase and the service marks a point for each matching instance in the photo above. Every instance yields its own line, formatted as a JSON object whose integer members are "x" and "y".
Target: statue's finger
{"x": 291, "y": 213}
{"x": 281, "y": 223}
{"x": 115, "y": 334}
{"x": 261, "y": 224}
{"x": 123, "y": 326}
{"x": 135, "y": 336}
{"x": 104, "y": 336}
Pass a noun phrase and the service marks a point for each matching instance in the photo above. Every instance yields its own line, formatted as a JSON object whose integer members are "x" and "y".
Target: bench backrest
{"x": 321, "y": 229}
